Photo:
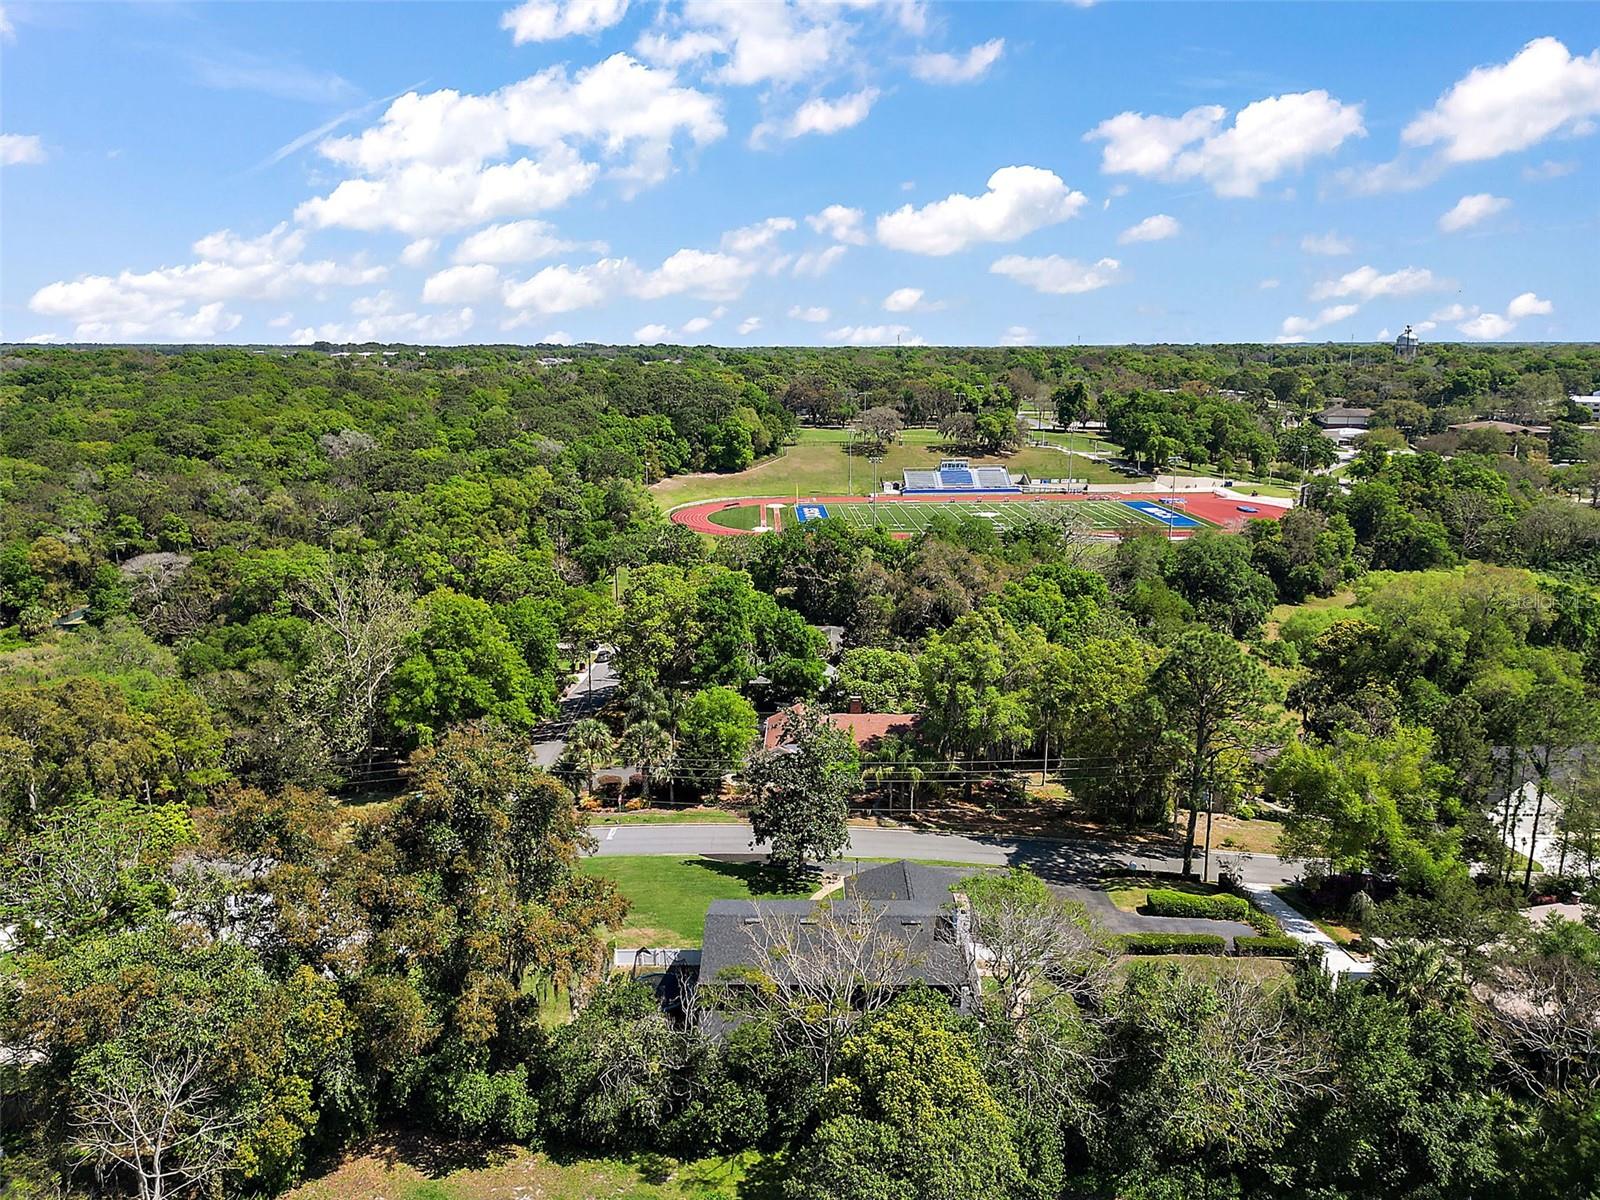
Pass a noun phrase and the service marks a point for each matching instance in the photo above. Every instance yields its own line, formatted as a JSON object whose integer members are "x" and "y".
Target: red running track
{"x": 1220, "y": 510}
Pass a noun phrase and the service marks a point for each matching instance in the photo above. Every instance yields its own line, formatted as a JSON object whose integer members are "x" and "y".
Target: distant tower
{"x": 1406, "y": 345}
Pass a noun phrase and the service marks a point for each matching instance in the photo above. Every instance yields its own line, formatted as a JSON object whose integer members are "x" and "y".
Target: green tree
{"x": 650, "y": 748}
{"x": 1216, "y": 700}
{"x": 715, "y": 733}
{"x": 1213, "y": 572}
{"x": 461, "y": 665}
{"x": 884, "y": 680}
{"x": 801, "y": 791}
{"x": 589, "y": 746}
{"x": 909, "y": 1115}
{"x": 1367, "y": 803}
{"x": 973, "y": 681}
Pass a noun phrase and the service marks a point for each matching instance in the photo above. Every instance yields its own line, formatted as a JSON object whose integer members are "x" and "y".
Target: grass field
{"x": 670, "y": 895}
{"x": 410, "y": 1169}
{"x": 818, "y": 466}
{"x": 902, "y": 516}
{"x": 666, "y": 816}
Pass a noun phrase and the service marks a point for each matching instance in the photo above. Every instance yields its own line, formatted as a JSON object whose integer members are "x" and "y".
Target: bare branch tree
{"x": 1035, "y": 945}
{"x": 160, "y": 1117}
{"x": 824, "y": 969}
{"x": 362, "y": 623}
{"x": 1544, "y": 1021}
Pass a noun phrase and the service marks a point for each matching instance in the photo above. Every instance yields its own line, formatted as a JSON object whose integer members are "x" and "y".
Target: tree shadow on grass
{"x": 434, "y": 1156}
{"x": 764, "y": 1180}
{"x": 762, "y": 878}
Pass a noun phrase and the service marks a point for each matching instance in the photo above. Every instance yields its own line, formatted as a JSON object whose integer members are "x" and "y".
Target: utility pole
{"x": 1205, "y": 869}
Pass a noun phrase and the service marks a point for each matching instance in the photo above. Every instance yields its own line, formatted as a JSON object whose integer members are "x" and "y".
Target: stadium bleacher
{"x": 957, "y": 475}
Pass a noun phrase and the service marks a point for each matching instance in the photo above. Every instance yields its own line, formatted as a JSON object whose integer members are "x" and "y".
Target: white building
{"x": 1590, "y": 404}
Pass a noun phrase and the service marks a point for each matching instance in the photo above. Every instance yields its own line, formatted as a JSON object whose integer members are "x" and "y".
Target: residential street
{"x": 588, "y": 693}
{"x": 1057, "y": 861}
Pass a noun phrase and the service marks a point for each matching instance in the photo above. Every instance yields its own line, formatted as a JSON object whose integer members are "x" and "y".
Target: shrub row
{"x": 1266, "y": 947}
{"x": 1164, "y": 902}
{"x": 1174, "y": 943}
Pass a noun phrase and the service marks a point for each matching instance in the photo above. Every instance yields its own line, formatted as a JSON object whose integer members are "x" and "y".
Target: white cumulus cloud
{"x": 959, "y": 68}
{"x": 651, "y": 333}
{"x": 379, "y": 318}
{"x": 814, "y": 264}
{"x": 815, "y": 313}
{"x": 819, "y": 115}
{"x": 1500, "y": 109}
{"x": 840, "y": 223}
{"x": 20, "y": 149}
{"x": 459, "y": 285}
{"x": 1487, "y": 326}
{"x": 547, "y": 20}
{"x": 1528, "y": 305}
{"x": 756, "y": 238}
{"x": 511, "y": 242}
{"x": 1152, "y": 229}
{"x": 190, "y": 302}
{"x": 1295, "y": 328}
{"x": 417, "y": 253}
{"x": 874, "y": 335}
{"x": 1469, "y": 210}
{"x": 1266, "y": 139}
{"x": 749, "y": 325}
{"x": 1368, "y": 283}
{"x": 1018, "y": 201}
{"x": 903, "y": 299}
{"x": 1018, "y": 335}
{"x": 1057, "y": 276}
{"x": 446, "y": 160}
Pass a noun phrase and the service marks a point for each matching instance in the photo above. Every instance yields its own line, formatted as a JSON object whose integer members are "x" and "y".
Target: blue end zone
{"x": 811, "y": 512}
{"x": 1151, "y": 509}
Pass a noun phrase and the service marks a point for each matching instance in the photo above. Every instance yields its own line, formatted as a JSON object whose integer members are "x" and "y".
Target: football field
{"x": 913, "y": 516}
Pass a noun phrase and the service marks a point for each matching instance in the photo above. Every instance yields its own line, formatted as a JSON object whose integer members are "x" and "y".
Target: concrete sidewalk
{"x": 1303, "y": 929}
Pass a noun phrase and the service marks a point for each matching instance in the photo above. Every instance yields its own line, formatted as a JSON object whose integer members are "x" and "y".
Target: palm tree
{"x": 589, "y": 745}
{"x": 647, "y": 746}
{"x": 1418, "y": 974}
{"x": 662, "y": 707}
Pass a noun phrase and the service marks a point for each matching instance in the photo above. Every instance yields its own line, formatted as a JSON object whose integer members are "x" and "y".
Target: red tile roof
{"x": 864, "y": 728}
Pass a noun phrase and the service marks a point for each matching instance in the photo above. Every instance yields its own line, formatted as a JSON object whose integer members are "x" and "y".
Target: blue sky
{"x": 818, "y": 172}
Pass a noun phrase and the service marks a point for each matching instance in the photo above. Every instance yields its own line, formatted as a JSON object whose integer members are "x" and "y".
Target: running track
{"x": 1220, "y": 510}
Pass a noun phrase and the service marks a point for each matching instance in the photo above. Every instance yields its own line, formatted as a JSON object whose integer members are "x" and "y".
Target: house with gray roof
{"x": 918, "y": 927}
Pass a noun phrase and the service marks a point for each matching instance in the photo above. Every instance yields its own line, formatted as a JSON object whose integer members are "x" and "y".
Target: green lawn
{"x": 1130, "y": 893}
{"x": 415, "y": 1168}
{"x": 670, "y": 895}
{"x": 663, "y": 816}
{"x": 818, "y": 466}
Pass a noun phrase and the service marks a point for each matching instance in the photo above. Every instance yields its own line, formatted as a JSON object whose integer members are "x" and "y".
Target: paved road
{"x": 1057, "y": 861}
{"x": 1060, "y": 862}
{"x": 588, "y": 694}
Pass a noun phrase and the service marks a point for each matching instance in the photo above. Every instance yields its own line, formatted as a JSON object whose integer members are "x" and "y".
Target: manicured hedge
{"x": 1165, "y": 902}
{"x": 1266, "y": 947}
{"x": 1174, "y": 943}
